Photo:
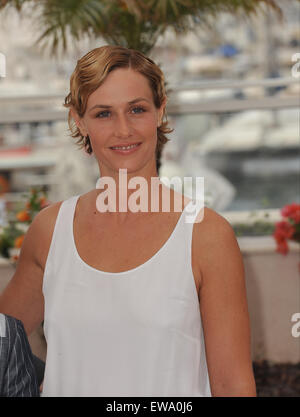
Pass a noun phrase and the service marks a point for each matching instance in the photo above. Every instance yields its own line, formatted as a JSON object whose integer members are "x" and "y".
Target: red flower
{"x": 292, "y": 211}
{"x": 288, "y": 228}
{"x": 283, "y": 230}
{"x": 282, "y": 246}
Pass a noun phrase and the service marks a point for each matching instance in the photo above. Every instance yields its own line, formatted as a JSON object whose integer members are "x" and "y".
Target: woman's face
{"x": 119, "y": 113}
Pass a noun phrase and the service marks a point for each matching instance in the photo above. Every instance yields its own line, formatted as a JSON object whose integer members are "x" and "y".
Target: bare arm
{"x": 23, "y": 297}
{"x": 224, "y": 309}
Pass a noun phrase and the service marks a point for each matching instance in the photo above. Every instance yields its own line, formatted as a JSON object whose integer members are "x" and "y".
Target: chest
{"x": 111, "y": 248}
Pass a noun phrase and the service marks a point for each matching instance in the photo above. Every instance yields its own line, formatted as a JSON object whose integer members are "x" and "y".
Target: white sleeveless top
{"x": 131, "y": 333}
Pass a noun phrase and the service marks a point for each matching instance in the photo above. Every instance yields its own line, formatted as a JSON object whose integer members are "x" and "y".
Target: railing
{"x": 43, "y": 108}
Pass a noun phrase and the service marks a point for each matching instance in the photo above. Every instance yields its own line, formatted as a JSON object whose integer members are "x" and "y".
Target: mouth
{"x": 126, "y": 148}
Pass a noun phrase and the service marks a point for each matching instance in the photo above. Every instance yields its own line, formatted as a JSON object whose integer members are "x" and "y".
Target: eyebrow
{"x": 105, "y": 106}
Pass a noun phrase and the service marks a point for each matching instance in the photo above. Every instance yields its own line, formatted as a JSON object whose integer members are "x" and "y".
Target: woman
{"x": 134, "y": 303}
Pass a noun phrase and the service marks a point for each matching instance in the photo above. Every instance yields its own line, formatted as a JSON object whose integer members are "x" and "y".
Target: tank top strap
{"x": 61, "y": 236}
{"x": 177, "y": 261}
{"x": 193, "y": 211}
{"x": 64, "y": 224}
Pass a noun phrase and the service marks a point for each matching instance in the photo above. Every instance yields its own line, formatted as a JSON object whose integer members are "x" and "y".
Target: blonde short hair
{"x": 91, "y": 71}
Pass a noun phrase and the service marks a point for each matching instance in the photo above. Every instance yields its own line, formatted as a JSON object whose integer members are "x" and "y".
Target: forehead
{"x": 121, "y": 85}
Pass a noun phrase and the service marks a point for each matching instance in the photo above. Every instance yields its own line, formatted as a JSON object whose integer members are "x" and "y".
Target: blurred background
{"x": 233, "y": 82}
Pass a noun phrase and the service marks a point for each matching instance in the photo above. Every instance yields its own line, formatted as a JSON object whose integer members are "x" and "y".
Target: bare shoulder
{"x": 211, "y": 221}
{"x": 38, "y": 237}
{"x": 41, "y": 230}
{"x": 47, "y": 214}
{"x": 43, "y": 225}
{"x": 214, "y": 241}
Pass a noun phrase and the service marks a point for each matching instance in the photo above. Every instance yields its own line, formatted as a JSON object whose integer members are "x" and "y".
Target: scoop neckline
{"x": 129, "y": 271}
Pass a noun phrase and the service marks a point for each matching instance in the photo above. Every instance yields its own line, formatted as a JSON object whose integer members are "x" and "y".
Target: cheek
{"x": 147, "y": 126}
{"x": 98, "y": 131}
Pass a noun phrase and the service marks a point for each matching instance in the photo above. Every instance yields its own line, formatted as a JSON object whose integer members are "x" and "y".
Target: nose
{"x": 122, "y": 127}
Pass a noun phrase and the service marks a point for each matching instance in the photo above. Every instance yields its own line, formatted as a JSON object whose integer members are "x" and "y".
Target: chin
{"x": 131, "y": 168}
{"x": 135, "y": 165}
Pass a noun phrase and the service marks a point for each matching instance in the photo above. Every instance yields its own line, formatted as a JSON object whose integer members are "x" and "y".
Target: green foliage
{"x": 258, "y": 228}
{"x": 132, "y": 23}
{"x": 7, "y": 238}
{"x": 19, "y": 221}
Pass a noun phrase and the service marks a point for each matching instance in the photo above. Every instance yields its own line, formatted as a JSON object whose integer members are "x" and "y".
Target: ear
{"x": 79, "y": 122}
{"x": 161, "y": 111}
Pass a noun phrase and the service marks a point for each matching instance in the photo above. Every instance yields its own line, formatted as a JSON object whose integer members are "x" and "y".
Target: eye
{"x": 103, "y": 114}
{"x": 138, "y": 110}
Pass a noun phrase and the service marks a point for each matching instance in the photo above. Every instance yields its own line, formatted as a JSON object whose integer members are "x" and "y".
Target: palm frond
{"x": 58, "y": 18}
{"x": 17, "y": 4}
{"x": 131, "y": 23}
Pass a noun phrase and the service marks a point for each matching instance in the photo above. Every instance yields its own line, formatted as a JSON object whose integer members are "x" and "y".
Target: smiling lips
{"x": 125, "y": 148}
